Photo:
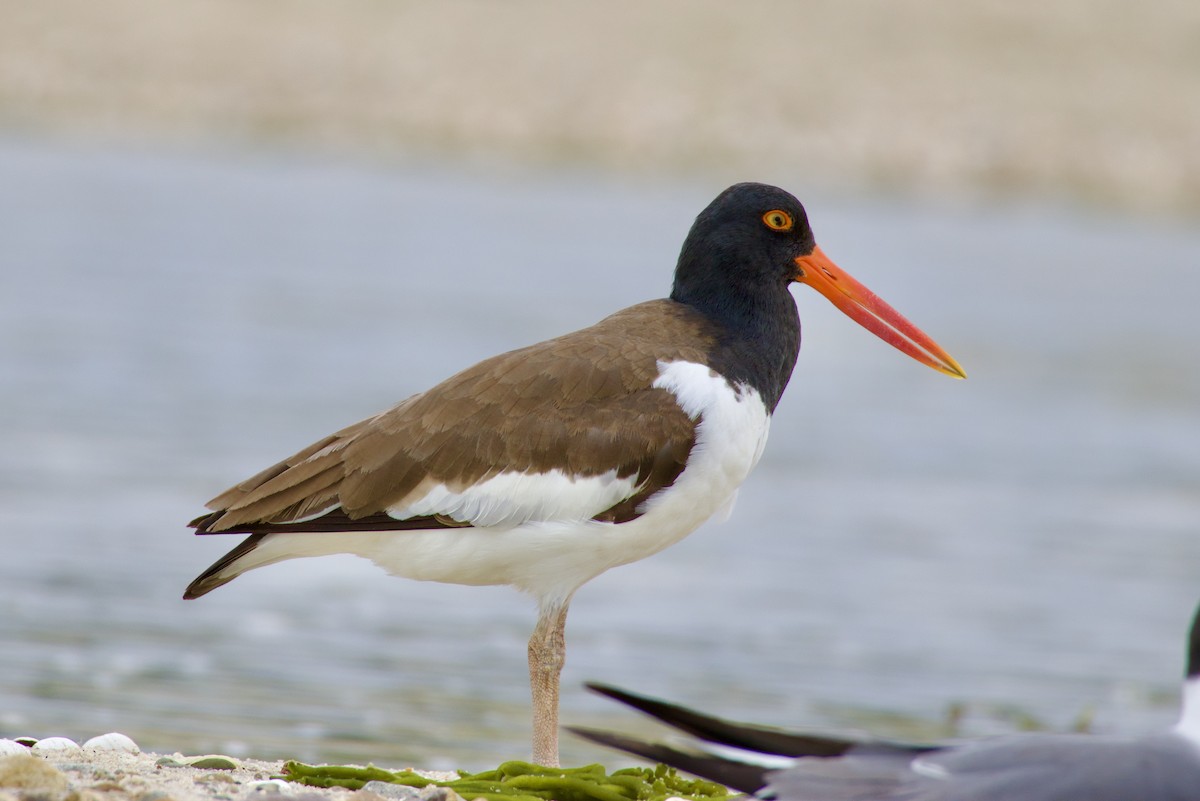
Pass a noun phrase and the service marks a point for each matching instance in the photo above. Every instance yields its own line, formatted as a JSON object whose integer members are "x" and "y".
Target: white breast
{"x": 730, "y": 437}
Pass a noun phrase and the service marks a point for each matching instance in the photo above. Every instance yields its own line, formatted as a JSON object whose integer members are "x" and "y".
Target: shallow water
{"x": 172, "y": 323}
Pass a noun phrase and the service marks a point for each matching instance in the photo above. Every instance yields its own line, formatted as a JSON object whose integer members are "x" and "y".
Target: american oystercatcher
{"x": 543, "y": 467}
{"x": 799, "y": 766}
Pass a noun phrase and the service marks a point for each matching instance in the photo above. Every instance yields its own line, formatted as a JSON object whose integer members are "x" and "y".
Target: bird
{"x": 806, "y": 766}
{"x": 545, "y": 466}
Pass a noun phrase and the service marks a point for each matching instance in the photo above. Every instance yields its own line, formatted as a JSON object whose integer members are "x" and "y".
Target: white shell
{"x": 55, "y": 745}
{"x": 10, "y": 747}
{"x": 269, "y": 786}
{"x": 113, "y": 741}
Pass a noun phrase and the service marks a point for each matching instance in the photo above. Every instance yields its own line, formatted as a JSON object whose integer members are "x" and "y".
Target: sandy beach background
{"x": 1090, "y": 100}
{"x": 198, "y": 194}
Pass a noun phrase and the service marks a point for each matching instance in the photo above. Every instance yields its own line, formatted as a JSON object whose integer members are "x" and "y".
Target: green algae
{"x": 214, "y": 762}
{"x": 523, "y": 781}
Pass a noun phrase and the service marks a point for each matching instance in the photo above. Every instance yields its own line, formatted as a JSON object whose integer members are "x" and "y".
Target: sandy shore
{"x": 1091, "y": 101}
{"x": 90, "y": 774}
{"x": 96, "y": 775}
{"x": 112, "y": 768}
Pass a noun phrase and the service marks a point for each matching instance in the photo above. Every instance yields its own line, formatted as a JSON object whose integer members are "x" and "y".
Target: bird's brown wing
{"x": 583, "y": 404}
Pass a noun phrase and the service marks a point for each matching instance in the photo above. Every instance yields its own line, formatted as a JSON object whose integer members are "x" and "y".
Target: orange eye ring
{"x": 778, "y": 220}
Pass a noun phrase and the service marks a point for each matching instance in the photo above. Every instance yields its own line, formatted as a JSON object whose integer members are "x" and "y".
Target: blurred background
{"x": 228, "y": 228}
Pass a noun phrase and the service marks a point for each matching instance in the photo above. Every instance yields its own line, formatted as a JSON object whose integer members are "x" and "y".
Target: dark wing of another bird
{"x": 741, "y": 772}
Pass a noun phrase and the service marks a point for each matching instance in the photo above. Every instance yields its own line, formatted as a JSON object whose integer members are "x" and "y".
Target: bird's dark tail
{"x": 744, "y": 775}
{"x": 748, "y": 737}
{"x": 218, "y": 574}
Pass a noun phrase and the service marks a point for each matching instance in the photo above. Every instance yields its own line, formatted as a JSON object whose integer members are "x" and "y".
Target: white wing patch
{"x": 511, "y": 499}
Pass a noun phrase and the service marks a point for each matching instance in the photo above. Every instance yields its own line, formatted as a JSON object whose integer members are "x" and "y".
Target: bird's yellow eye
{"x": 778, "y": 220}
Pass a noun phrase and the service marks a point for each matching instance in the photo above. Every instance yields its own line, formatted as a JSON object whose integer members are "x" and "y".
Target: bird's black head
{"x": 741, "y": 252}
{"x": 735, "y": 268}
{"x": 748, "y": 246}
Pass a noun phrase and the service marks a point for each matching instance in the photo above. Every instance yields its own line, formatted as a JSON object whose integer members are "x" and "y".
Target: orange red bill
{"x": 872, "y": 312}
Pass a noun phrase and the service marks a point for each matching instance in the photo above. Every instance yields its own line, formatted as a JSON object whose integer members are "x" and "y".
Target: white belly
{"x": 550, "y": 559}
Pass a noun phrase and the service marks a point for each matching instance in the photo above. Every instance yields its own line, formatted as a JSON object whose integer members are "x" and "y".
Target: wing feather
{"x": 582, "y": 404}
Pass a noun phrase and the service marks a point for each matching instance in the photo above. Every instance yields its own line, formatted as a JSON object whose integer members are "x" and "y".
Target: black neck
{"x": 757, "y": 333}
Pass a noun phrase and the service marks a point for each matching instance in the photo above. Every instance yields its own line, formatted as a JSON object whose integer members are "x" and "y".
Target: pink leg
{"x": 547, "y": 651}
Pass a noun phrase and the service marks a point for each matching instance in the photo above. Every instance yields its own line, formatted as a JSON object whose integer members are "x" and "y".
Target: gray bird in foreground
{"x": 1163, "y": 766}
